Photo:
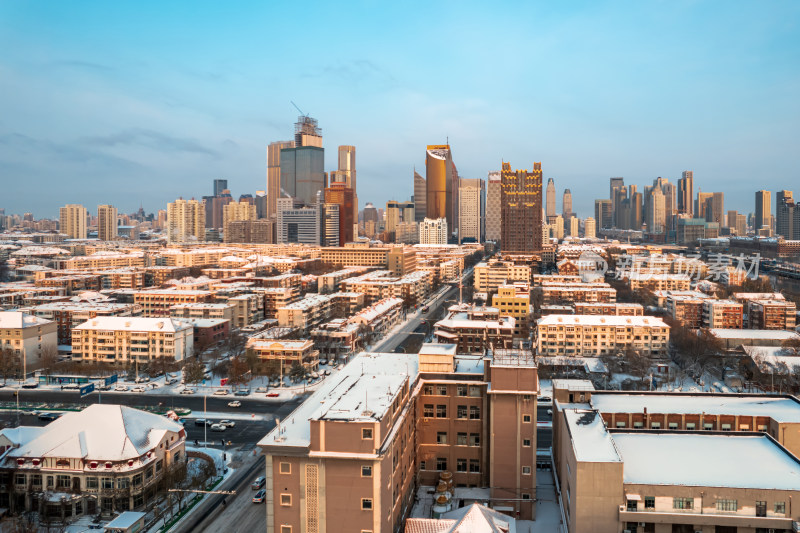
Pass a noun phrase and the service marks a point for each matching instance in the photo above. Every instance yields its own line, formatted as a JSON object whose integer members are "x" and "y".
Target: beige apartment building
{"x": 158, "y": 302}
{"x": 571, "y": 293}
{"x": 68, "y": 315}
{"x": 306, "y": 313}
{"x": 388, "y": 423}
{"x": 275, "y": 298}
{"x": 489, "y": 276}
{"x": 124, "y": 340}
{"x": 618, "y": 309}
{"x": 412, "y": 288}
{"x": 281, "y": 355}
{"x": 726, "y": 314}
{"x": 106, "y": 222}
{"x": 218, "y": 311}
{"x": 236, "y": 212}
{"x": 658, "y": 281}
{"x": 186, "y": 221}
{"x": 475, "y": 329}
{"x": 771, "y": 314}
{"x": 688, "y": 310}
{"x": 72, "y": 218}
{"x": 515, "y": 300}
{"x": 592, "y": 336}
{"x": 27, "y": 335}
{"x": 104, "y": 260}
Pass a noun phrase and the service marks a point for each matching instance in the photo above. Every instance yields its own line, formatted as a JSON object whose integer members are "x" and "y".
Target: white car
{"x": 227, "y": 423}
{"x": 261, "y": 389}
{"x": 121, "y": 388}
{"x": 218, "y": 427}
{"x": 235, "y": 403}
{"x": 221, "y": 392}
{"x": 138, "y": 389}
{"x": 187, "y": 391}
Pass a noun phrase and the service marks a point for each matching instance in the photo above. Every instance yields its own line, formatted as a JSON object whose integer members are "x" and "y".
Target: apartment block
{"x": 306, "y": 313}
{"x": 571, "y": 293}
{"x": 515, "y": 300}
{"x": 726, "y": 314}
{"x": 687, "y": 310}
{"x": 489, "y": 276}
{"x": 27, "y": 335}
{"x": 618, "y": 309}
{"x": 219, "y": 311}
{"x": 158, "y": 302}
{"x": 125, "y": 340}
{"x": 592, "y": 336}
{"x": 412, "y": 288}
{"x": 475, "y": 329}
{"x": 280, "y": 355}
{"x": 771, "y": 314}
{"x": 275, "y": 298}
{"x": 658, "y": 281}
{"x": 67, "y": 315}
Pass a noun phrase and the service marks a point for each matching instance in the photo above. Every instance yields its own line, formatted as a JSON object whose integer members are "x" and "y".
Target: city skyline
{"x": 169, "y": 122}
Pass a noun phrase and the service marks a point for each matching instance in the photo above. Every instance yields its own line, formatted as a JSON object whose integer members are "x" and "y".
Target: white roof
{"x": 698, "y": 460}
{"x": 781, "y": 409}
{"x": 775, "y": 334}
{"x": 125, "y": 520}
{"x": 430, "y": 348}
{"x": 128, "y": 323}
{"x": 602, "y": 320}
{"x": 101, "y": 433}
{"x": 590, "y": 439}
{"x": 17, "y": 320}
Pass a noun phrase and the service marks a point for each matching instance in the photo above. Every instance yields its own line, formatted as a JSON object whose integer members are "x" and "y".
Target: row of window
{"x": 474, "y": 439}
{"x": 728, "y": 505}
{"x": 692, "y": 426}
{"x": 461, "y": 390}
{"x": 473, "y": 412}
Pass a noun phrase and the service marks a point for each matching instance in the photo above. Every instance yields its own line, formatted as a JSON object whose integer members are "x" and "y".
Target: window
{"x": 708, "y": 427}
{"x": 441, "y": 463}
{"x": 474, "y": 466}
{"x": 673, "y": 425}
{"x": 441, "y": 390}
{"x": 655, "y": 425}
{"x": 286, "y": 468}
{"x": 422, "y": 465}
{"x": 286, "y": 529}
{"x": 637, "y": 425}
{"x": 19, "y": 479}
{"x": 366, "y": 433}
{"x": 690, "y": 426}
{"x": 461, "y": 465}
{"x": 526, "y": 496}
{"x": 427, "y": 410}
{"x": 474, "y": 439}
{"x": 726, "y": 427}
{"x": 474, "y": 391}
{"x": 761, "y": 508}
{"x": 441, "y": 437}
{"x": 526, "y": 443}
{"x": 631, "y": 505}
{"x": 461, "y": 439}
{"x": 286, "y": 500}
{"x": 682, "y": 503}
{"x": 107, "y": 483}
{"x": 159, "y": 465}
{"x": 366, "y": 504}
{"x": 474, "y": 412}
{"x": 727, "y": 505}
{"x": 36, "y": 480}
{"x": 461, "y": 411}
{"x": 123, "y": 482}
{"x": 620, "y": 424}
{"x": 137, "y": 480}
{"x": 441, "y": 411}
{"x": 780, "y": 507}
{"x": 526, "y": 470}
{"x": 461, "y": 390}
{"x": 428, "y": 390}
{"x": 649, "y": 502}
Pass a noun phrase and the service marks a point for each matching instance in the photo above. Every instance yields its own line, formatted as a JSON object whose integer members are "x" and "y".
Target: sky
{"x": 139, "y": 103}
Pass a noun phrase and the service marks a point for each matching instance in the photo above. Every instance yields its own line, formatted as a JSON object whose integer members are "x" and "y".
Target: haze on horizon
{"x": 141, "y": 103}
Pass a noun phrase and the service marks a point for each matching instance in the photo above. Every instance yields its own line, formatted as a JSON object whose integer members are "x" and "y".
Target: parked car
{"x": 228, "y": 423}
{"x": 30, "y": 386}
{"x": 218, "y": 427}
{"x": 187, "y": 391}
{"x": 260, "y": 496}
{"x": 49, "y": 417}
{"x": 221, "y": 392}
{"x": 201, "y": 422}
{"x": 142, "y": 379}
{"x": 104, "y": 387}
{"x": 272, "y": 395}
{"x": 261, "y": 389}
{"x": 138, "y": 389}
{"x": 71, "y": 386}
{"x": 545, "y": 399}
{"x": 326, "y": 372}
{"x": 121, "y": 388}
{"x": 235, "y": 403}
{"x": 259, "y": 483}
{"x": 242, "y": 392}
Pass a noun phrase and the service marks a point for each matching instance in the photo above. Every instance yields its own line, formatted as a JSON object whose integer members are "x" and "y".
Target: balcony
{"x": 702, "y": 517}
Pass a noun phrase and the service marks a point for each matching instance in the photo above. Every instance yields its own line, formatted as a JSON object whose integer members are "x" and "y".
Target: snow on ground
{"x": 228, "y": 415}
{"x": 546, "y": 387}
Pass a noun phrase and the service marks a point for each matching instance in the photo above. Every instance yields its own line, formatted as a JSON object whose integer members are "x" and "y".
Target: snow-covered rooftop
{"x": 774, "y": 334}
{"x": 590, "y": 439}
{"x": 128, "y": 323}
{"x": 699, "y": 460}
{"x": 17, "y": 320}
{"x": 602, "y": 320}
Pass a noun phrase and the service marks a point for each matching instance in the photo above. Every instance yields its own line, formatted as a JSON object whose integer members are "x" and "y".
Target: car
{"x": 30, "y": 386}
{"x": 235, "y": 403}
{"x": 104, "y": 387}
{"x": 138, "y": 389}
{"x": 272, "y": 395}
{"x": 171, "y": 381}
{"x": 228, "y": 423}
{"x": 261, "y": 389}
{"x": 71, "y": 386}
{"x": 260, "y": 496}
{"x": 201, "y": 422}
{"x": 49, "y": 417}
{"x": 425, "y": 308}
{"x": 186, "y": 391}
{"x": 221, "y": 392}
{"x": 326, "y": 372}
{"x": 121, "y": 388}
{"x": 142, "y": 379}
{"x": 545, "y": 399}
{"x": 259, "y": 483}
{"x": 243, "y": 392}
{"x": 218, "y": 427}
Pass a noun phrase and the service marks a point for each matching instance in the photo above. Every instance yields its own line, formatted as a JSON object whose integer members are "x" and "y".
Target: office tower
{"x": 731, "y": 218}
{"x": 741, "y": 224}
{"x": 370, "y": 213}
{"x": 215, "y": 209}
{"x": 393, "y": 218}
{"x": 73, "y": 221}
{"x": 763, "y": 210}
{"x": 558, "y": 227}
{"x": 521, "y": 208}
{"x": 715, "y": 208}
{"x": 261, "y": 204}
{"x": 347, "y": 165}
{"x": 700, "y": 204}
{"x": 420, "y": 198}
{"x": 573, "y": 226}
{"x": 298, "y": 223}
{"x": 274, "y": 175}
{"x": 551, "y": 198}
{"x": 186, "y": 221}
{"x": 614, "y": 185}
{"x": 784, "y": 214}
{"x": 340, "y": 194}
{"x": 685, "y": 193}
{"x": 493, "y": 227}
{"x": 302, "y": 173}
{"x": 236, "y": 211}
{"x": 602, "y": 213}
{"x": 656, "y": 211}
{"x": 106, "y": 222}
{"x": 440, "y": 178}
{"x": 566, "y": 204}
{"x": 433, "y": 231}
{"x": 219, "y": 186}
{"x": 471, "y": 210}
{"x": 589, "y": 229}
{"x": 330, "y": 225}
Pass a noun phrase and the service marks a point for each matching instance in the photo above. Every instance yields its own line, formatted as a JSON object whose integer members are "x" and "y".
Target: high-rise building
{"x": 603, "y": 213}
{"x": 346, "y": 174}
{"x": 494, "y": 224}
{"x": 331, "y": 214}
{"x": 566, "y": 205}
{"x": 236, "y": 211}
{"x": 700, "y": 204}
{"x": 440, "y": 178}
{"x": 521, "y": 208}
{"x": 260, "y": 202}
{"x": 685, "y": 194}
{"x": 615, "y": 184}
{"x": 471, "y": 210}
{"x": 219, "y": 186}
{"x": 342, "y": 195}
{"x": 558, "y": 227}
{"x": 393, "y": 218}
{"x": 715, "y": 208}
{"x": 106, "y": 222}
{"x": 433, "y": 231}
{"x": 420, "y": 198}
{"x": 298, "y": 223}
{"x": 302, "y": 172}
{"x": 784, "y": 214}
{"x": 73, "y": 221}
{"x": 274, "y": 175}
{"x": 550, "y": 210}
{"x": 741, "y": 224}
{"x": 573, "y": 226}
{"x": 656, "y": 211}
{"x": 186, "y": 221}
{"x": 589, "y": 230}
{"x": 763, "y": 210}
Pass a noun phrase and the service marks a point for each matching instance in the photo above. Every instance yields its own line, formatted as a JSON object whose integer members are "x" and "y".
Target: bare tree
{"x": 237, "y": 372}
{"x": 193, "y": 372}
{"x": 9, "y": 363}
{"x": 49, "y": 359}
{"x": 237, "y": 343}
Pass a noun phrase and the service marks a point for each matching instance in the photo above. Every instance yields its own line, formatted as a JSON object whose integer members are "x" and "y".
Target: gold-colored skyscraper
{"x": 73, "y": 221}
{"x": 106, "y": 222}
{"x": 521, "y": 208}
{"x": 441, "y": 185}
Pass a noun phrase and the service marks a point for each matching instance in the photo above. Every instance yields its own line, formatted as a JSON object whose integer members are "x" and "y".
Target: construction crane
{"x": 298, "y": 109}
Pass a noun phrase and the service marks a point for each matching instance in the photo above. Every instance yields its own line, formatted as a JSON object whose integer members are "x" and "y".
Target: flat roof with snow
{"x": 130, "y": 323}
{"x": 701, "y": 460}
{"x": 777, "y": 334}
{"x": 590, "y": 439}
{"x": 602, "y": 320}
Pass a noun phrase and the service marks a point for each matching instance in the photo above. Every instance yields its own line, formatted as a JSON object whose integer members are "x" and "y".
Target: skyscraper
{"x": 342, "y": 195}
{"x": 471, "y": 210}
{"x": 784, "y": 214}
{"x": 106, "y": 222}
{"x": 302, "y": 172}
{"x": 589, "y": 228}
{"x": 602, "y": 213}
{"x": 346, "y": 174}
{"x": 566, "y": 205}
{"x": 73, "y": 221}
{"x": 274, "y": 175}
{"x": 656, "y": 211}
{"x": 186, "y": 221}
{"x": 550, "y": 210}
{"x": 219, "y": 186}
{"x": 700, "y": 204}
{"x": 493, "y": 210}
{"x": 685, "y": 194}
{"x": 615, "y": 184}
{"x": 521, "y": 208}
{"x": 420, "y": 198}
{"x": 715, "y": 208}
{"x": 440, "y": 176}
{"x": 763, "y": 210}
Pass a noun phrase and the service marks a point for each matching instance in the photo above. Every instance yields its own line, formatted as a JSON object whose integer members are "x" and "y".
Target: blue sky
{"x": 139, "y": 103}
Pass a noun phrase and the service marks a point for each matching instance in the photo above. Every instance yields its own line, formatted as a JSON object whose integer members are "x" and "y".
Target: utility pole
{"x": 205, "y": 421}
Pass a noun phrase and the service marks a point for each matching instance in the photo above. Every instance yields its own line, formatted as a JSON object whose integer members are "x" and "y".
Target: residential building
{"x": 279, "y": 355}
{"x": 570, "y": 293}
{"x": 688, "y": 310}
{"x": 235, "y": 212}
{"x": 725, "y": 314}
{"x": 306, "y": 313}
{"x": 158, "y": 302}
{"x": 27, "y": 336}
{"x": 106, "y": 222}
{"x": 412, "y": 288}
{"x": 471, "y": 210}
{"x": 67, "y": 315}
{"x": 589, "y": 228}
{"x": 218, "y": 311}
{"x": 514, "y": 299}
{"x": 475, "y": 329}
{"x": 658, "y": 282}
{"x": 771, "y": 314}
{"x": 521, "y": 209}
{"x": 763, "y": 213}
{"x": 330, "y": 225}
{"x": 72, "y": 221}
{"x": 186, "y": 221}
{"x": 618, "y": 309}
{"x": 489, "y": 276}
{"x": 250, "y": 231}
{"x": 433, "y": 231}
{"x": 785, "y": 208}
{"x": 123, "y": 341}
{"x": 592, "y": 336}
